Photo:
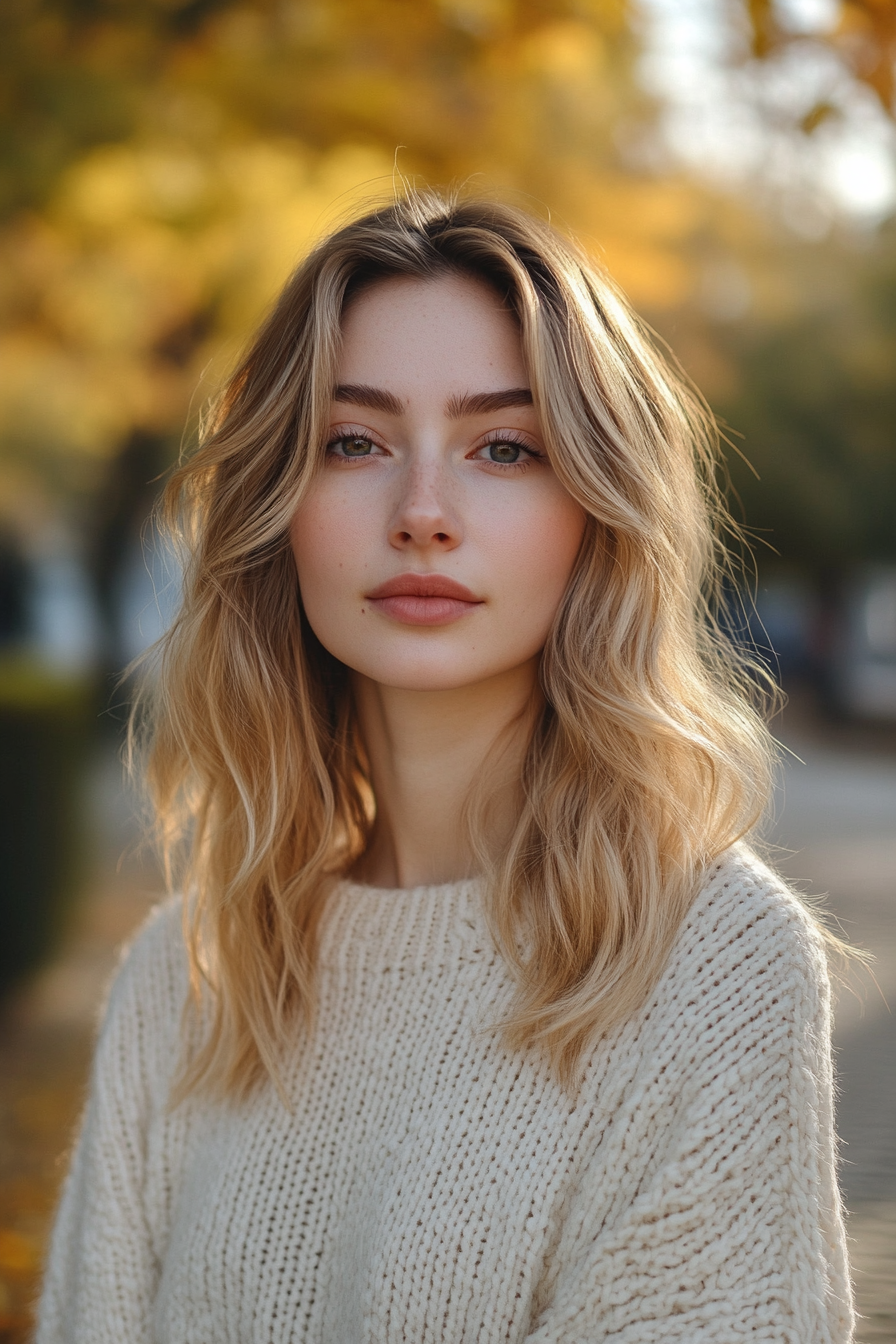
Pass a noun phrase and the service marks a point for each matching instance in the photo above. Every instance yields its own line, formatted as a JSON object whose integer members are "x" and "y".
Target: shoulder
{"x": 749, "y": 961}
{"x": 153, "y": 963}
{"x": 745, "y": 912}
{"x": 144, "y": 1010}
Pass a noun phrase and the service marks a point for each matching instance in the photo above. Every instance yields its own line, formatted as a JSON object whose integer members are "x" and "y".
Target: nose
{"x": 424, "y": 515}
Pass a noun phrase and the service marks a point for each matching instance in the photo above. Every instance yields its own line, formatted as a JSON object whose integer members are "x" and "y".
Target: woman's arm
{"x": 736, "y": 1233}
{"x": 101, "y": 1273}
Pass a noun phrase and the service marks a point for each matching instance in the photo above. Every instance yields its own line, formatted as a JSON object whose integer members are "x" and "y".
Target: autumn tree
{"x": 165, "y": 163}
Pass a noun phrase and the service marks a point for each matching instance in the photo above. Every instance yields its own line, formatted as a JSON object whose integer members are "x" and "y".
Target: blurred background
{"x": 164, "y": 164}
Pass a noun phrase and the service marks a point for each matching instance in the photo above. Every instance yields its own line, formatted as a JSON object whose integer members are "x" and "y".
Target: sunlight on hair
{"x": 649, "y": 758}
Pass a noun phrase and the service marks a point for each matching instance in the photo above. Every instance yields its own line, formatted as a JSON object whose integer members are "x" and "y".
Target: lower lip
{"x": 414, "y": 610}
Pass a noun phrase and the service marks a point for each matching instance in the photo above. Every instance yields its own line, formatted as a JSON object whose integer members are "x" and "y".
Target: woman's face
{"x": 435, "y": 545}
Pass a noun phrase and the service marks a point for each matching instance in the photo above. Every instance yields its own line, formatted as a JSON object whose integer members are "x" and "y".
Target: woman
{"x": 481, "y": 1023}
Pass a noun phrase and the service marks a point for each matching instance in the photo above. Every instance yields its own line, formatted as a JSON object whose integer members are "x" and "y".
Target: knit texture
{"x": 430, "y": 1186}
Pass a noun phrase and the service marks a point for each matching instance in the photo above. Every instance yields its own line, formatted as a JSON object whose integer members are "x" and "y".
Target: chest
{"x": 415, "y": 1190}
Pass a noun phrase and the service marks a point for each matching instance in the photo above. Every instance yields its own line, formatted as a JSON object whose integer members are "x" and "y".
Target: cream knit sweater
{"x": 430, "y": 1187}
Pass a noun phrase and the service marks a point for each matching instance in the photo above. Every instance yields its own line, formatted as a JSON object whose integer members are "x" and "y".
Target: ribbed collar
{"x": 418, "y": 925}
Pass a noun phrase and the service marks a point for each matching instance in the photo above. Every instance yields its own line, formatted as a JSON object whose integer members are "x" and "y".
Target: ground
{"x": 836, "y": 828}
{"x": 835, "y": 832}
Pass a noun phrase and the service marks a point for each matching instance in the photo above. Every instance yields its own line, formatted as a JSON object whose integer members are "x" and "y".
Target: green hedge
{"x": 44, "y": 733}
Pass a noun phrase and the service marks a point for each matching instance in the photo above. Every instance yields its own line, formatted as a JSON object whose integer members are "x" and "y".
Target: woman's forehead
{"x": 402, "y": 334}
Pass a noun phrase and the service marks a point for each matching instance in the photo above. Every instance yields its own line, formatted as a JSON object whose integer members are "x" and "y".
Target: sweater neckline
{"x": 462, "y": 885}
{"x": 417, "y": 924}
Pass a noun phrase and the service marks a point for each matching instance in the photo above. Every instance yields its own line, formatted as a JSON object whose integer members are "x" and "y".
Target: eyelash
{"x": 508, "y": 436}
{"x": 518, "y": 441}
{"x": 337, "y": 436}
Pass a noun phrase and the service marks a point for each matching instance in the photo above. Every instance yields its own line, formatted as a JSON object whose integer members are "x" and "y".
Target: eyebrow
{"x": 472, "y": 403}
{"x": 374, "y": 398}
{"x": 483, "y": 403}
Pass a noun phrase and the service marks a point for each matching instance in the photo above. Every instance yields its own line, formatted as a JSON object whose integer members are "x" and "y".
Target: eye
{"x": 351, "y": 445}
{"x": 502, "y": 451}
{"x": 506, "y": 451}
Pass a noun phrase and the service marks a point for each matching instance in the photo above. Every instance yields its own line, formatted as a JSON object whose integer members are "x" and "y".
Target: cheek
{"x": 541, "y": 549}
{"x": 310, "y": 540}
{"x": 327, "y": 536}
{"x": 324, "y": 566}
{"x": 320, "y": 560}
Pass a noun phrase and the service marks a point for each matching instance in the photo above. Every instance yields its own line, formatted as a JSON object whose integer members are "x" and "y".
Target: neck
{"x": 427, "y": 750}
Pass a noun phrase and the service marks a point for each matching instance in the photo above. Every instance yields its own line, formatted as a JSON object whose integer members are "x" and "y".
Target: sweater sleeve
{"x": 102, "y": 1272}
{"x": 735, "y": 1230}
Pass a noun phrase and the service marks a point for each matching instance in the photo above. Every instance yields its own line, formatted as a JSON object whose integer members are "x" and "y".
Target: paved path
{"x": 46, "y": 1038}
{"x": 836, "y": 828}
{"x": 836, "y": 824}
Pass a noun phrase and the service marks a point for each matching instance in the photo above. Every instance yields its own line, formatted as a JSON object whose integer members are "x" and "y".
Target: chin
{"x": 434, "y": 672}
{"x": 427, "y": 679}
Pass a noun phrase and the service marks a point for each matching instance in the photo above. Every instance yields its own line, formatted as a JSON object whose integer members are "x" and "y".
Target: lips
{"x": 423, "y": 599}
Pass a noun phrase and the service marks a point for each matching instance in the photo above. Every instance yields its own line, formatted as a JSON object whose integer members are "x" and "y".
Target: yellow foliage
{"x": 568, "y": 50}
{"x": 480, "y": 17}
{"x": 19, "y": 1254}
{"x": 137, "y": 281}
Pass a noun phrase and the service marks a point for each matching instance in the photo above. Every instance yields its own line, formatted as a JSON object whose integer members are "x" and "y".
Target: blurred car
{"x": 861, "y": 671}
{"x": 838, "y": 636}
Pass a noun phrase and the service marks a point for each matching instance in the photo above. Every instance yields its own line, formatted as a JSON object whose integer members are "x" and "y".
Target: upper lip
{"x": 424, "y": 585}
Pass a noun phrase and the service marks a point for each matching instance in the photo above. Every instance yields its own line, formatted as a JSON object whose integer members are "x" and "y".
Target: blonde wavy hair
{"x": 647, "y": 758}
